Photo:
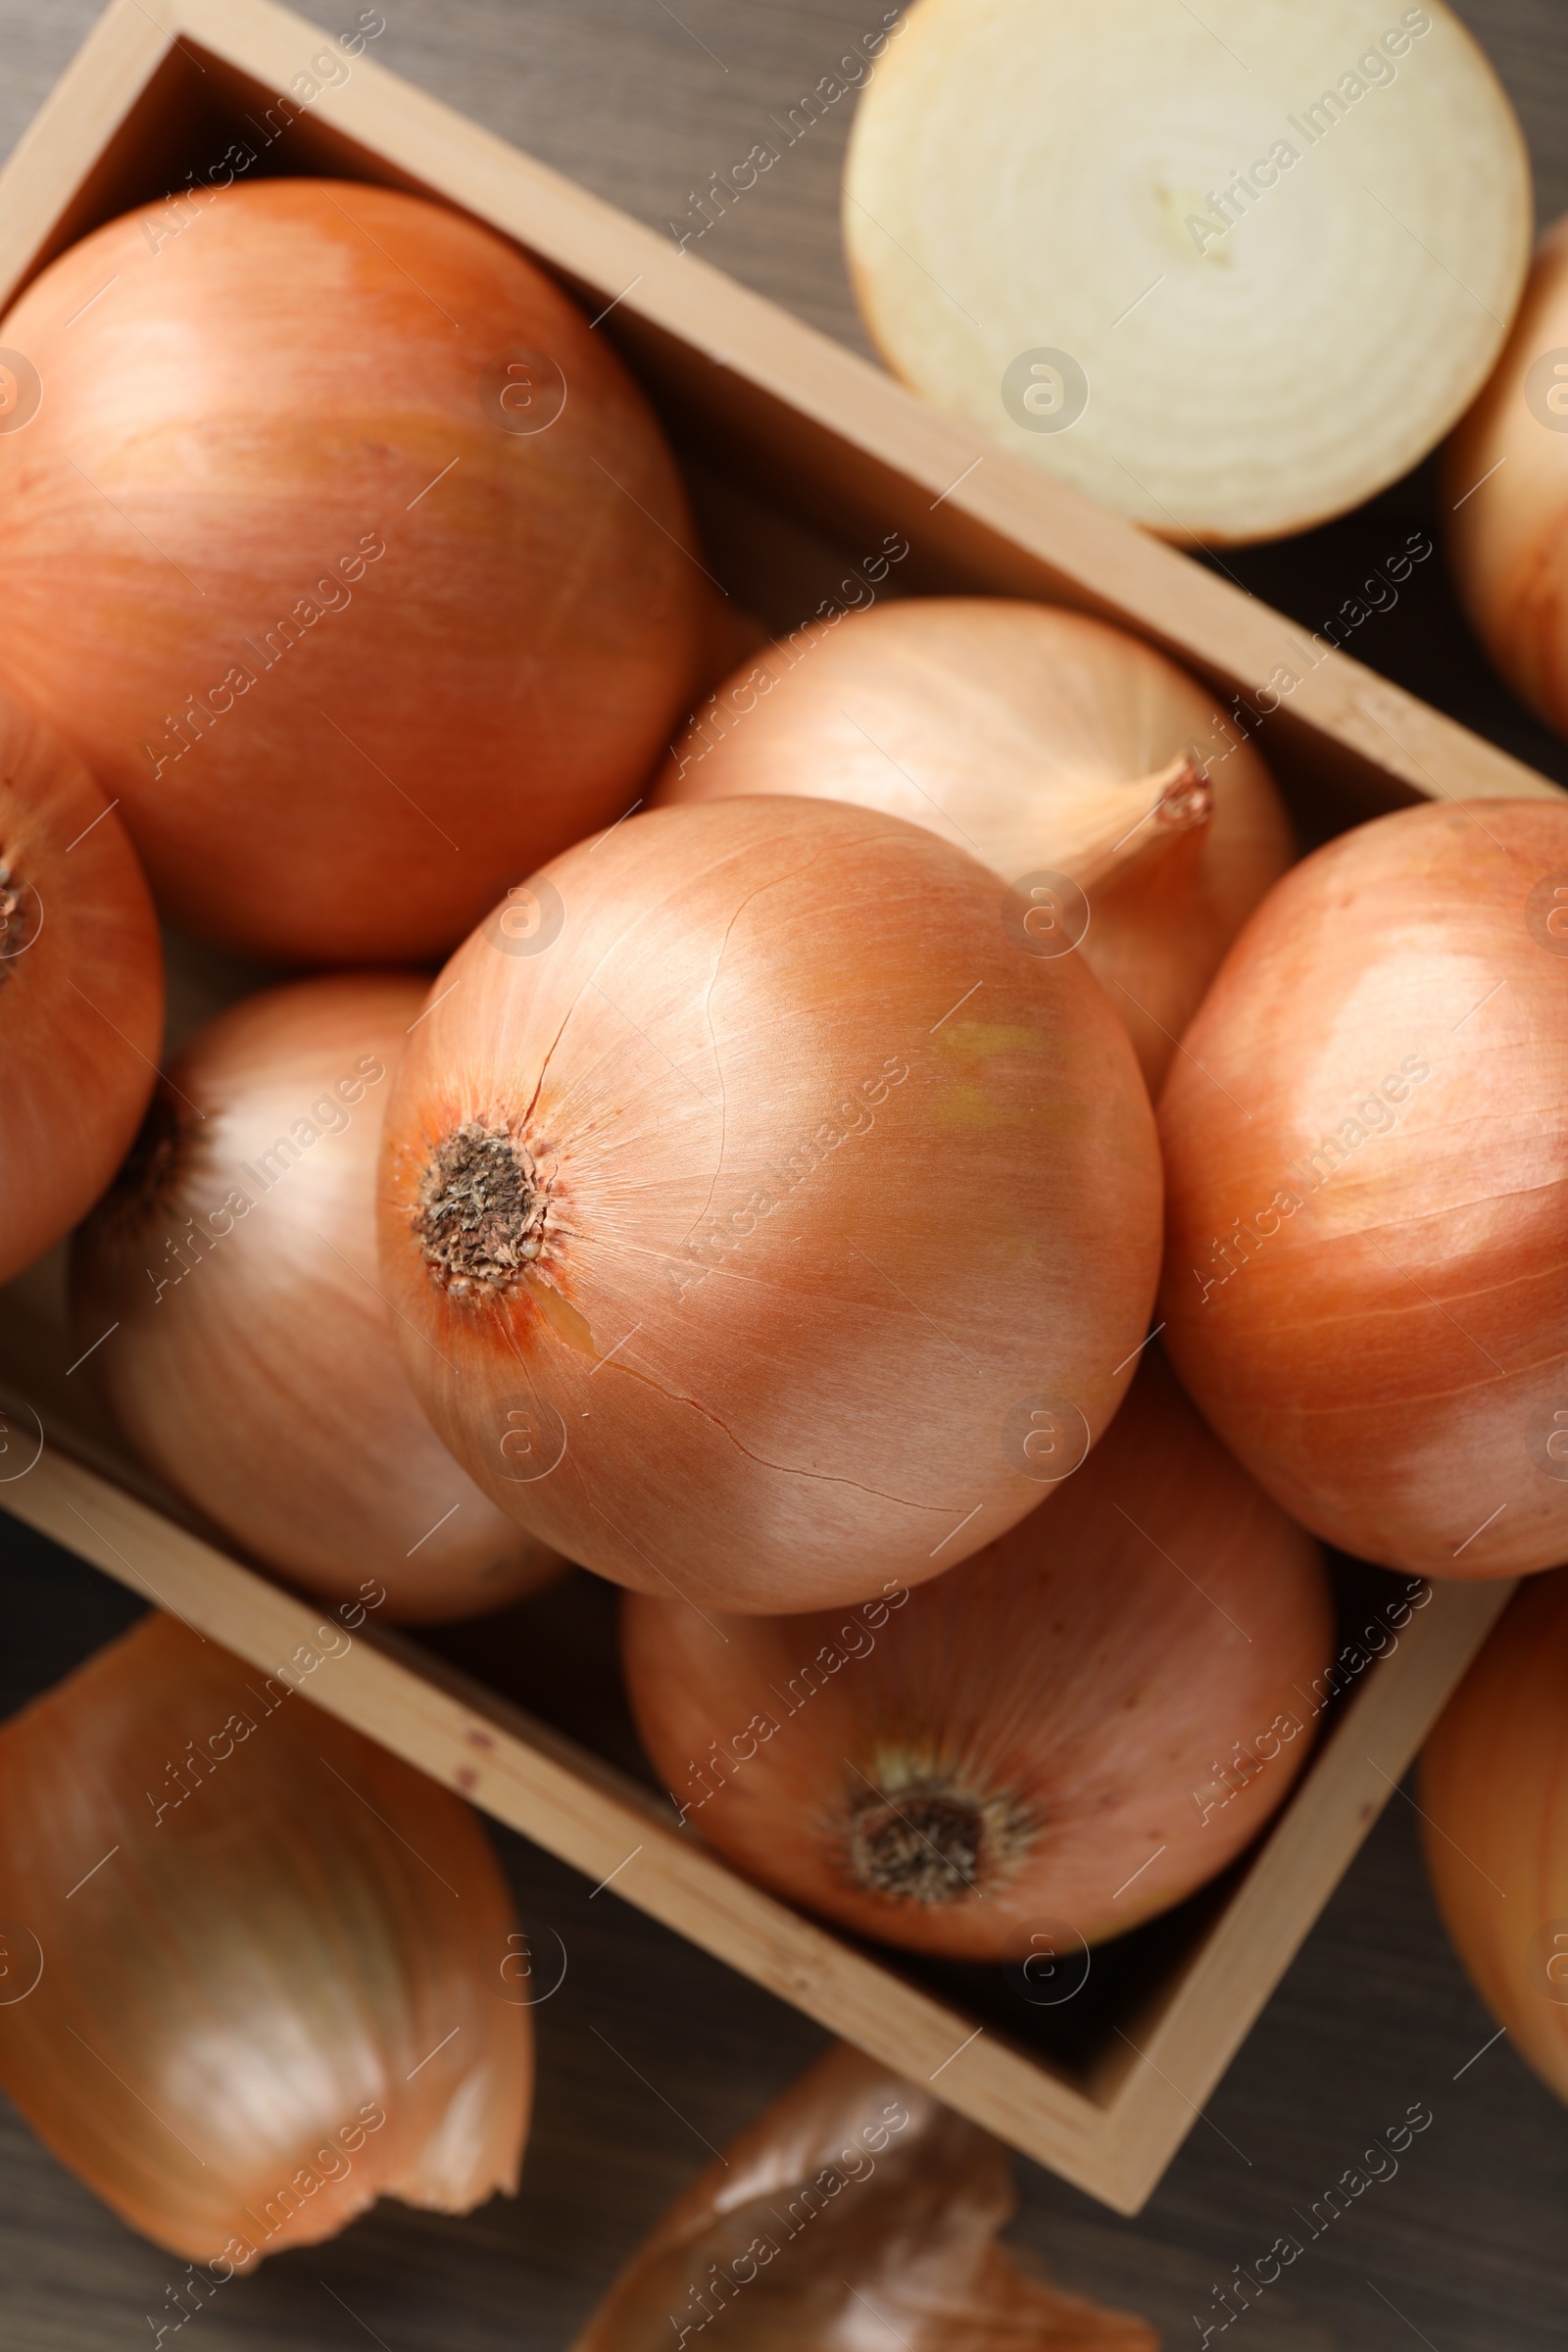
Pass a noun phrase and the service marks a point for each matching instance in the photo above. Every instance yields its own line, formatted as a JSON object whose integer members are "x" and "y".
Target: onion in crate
{"x": 1366, "y": 1151}
{"x": 256, "y": 1967}
{"x": 1229, "y": 271}
{"x": 81, "y": 989}
{"x": 352, "y": 560}
{"x": 763, "y": 1213}
{"x": 1070, "y": 1731}
{"x": 1055, "y": 748}
{"x": 249, "y": 1353}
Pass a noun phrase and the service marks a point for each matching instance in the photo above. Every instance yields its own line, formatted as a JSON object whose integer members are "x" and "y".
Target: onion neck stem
{"x": 1135, "y": 824}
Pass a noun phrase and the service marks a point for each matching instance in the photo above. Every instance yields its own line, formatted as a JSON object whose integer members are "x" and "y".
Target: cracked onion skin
{"x": 1366, "y": 1154}
{"x": 250, "y": 1357}
{"x": 743, "y": 1202}
{"x": 246, "y": 1928}
{"x": 1035, "y": 739}
{"x": 353, "y": 650}
{"x": 1495, "y": 1824}
{"x": 81, "y": 989}
{"x": 1041, "y": 1735}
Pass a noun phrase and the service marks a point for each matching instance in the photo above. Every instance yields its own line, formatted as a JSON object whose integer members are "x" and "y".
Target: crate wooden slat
{"x": 1115, "y": 2139}
{"x": 836, "y": 430}
{"x": 810, "y": 428}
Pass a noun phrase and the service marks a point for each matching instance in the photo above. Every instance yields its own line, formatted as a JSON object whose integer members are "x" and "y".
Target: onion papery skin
{"x": 1366, "y": 1150}
{"x": 258, "y": 1950}
{"x": 854, "y": 2193}
{"x": 1013, "y": 731}
{"x": 81, "y": 989}
{"x": 1495, "y": 1824}
{"x": 830, "y": 1182}
{"x": 354, "y": 650}
{"x": 1077, "y": 1727}
{"x": 1506, "y": 494}
{"x": 250, "y": 1357}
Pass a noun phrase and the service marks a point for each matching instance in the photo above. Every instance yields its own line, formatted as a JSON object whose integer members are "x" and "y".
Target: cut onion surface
{"x": 1229, "y": 271}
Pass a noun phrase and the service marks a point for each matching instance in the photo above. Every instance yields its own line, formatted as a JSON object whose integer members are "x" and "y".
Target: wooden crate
{"x": 802, "y": 458}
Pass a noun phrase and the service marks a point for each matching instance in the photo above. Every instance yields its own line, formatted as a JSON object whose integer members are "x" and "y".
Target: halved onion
{"x": 256, "y": 1965}
{"x": 1366, "y": 1149}
{"x": 351, "y": 560}
{"x": 764, "y": 1217}
{"x": 250, "y": 1355}
{"x": 1043, "y": 741}
{"x": 1230, "y": 270}
{"x": 1070, "y": 1731}
{"x": 81, "y": 989}
{"x": 1495, "y": 1811}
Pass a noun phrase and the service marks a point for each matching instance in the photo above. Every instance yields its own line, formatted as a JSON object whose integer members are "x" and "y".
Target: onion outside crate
{"x": 270, "y": 1957}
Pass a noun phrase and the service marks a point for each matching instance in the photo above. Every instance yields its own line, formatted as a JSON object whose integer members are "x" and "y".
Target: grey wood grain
{"x": 651, "y": 2053}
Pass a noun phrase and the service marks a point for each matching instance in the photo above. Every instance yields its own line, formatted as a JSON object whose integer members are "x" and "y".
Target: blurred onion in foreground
{"x": 256, "y": 1960}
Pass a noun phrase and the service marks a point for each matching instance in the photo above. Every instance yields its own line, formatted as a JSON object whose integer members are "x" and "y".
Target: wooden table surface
{"x": 651, "y": 2053}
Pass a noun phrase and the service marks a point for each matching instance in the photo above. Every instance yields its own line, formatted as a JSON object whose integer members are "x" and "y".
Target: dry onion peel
{"x": 350, "y": 558}
{"x": 265, "y": 1957}
{"x": 754, "y": 1199}
{"x": 1230, "y": 271}
{"x": 249, "y": 1352}
{"x": 1365, "y": 1151}
{"x": 1044, "y": 743}
{"x": 856, "y": 2210}
{"x": 1071, "y": 1731}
